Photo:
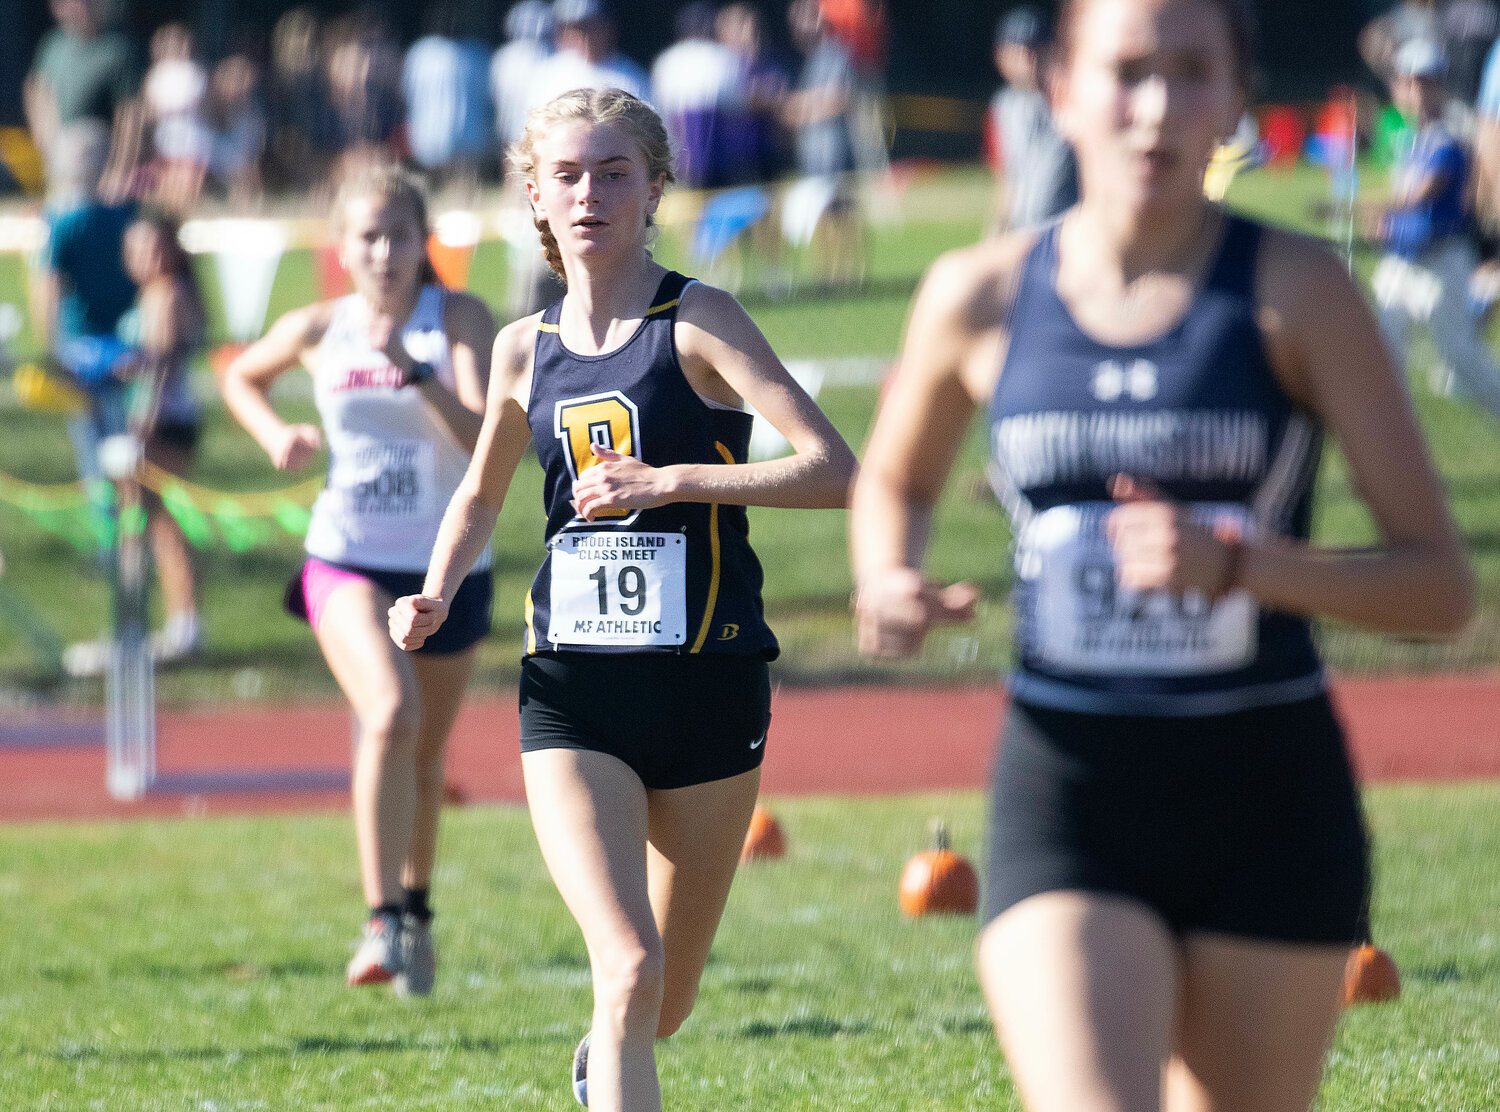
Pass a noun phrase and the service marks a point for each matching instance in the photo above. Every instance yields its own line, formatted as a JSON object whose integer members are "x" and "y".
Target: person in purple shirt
{"x": 1425, "y": 274}
{"x": 754, "y": 143}
{"x": 696, "y": 85}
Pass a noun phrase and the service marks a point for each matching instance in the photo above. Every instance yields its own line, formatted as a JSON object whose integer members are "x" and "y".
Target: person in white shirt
{"x": 174, "y": 92}
{"x": 694, "y": 83}
{"x": 445, "y": 79}
{"x": 586, "y": 58}
{"x": 587, "y": 55}
{"x": 399, "y": 368}
{"x": 528, "y": 31}
{"x": 1036, "y": 173}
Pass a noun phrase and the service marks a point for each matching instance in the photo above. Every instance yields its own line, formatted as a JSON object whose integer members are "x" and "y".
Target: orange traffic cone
{"x": 451, "y": 247}
{"x": 333, "y": 279}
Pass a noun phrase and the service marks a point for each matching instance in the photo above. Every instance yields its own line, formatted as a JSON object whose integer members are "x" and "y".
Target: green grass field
{"x": 197, "y": 965}
{"x": 252, "y": 647}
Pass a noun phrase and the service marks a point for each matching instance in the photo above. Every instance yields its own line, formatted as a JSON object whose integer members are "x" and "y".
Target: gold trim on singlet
{"x": 713, "y": 556}
{"x": 530, "y": 624}
{"x": 543, "y": 326}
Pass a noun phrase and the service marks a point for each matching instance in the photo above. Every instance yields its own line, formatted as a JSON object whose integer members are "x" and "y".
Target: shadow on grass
{"x": 292, "y": 1048}
{"x": 1471, "y": 486}
{"x": 213, "y": 970}
{"x": 894, "y": 285}
{"x": 826, "y": 1027}
{"x": 1444, "y": 973}
{"x": 566, "y": 959}
{"x": 1483, "y": 541}
{"x": 817, "y": 1026}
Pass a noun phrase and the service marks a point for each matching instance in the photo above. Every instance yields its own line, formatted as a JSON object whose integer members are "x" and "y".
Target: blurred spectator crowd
{"x": 288, "y": 112}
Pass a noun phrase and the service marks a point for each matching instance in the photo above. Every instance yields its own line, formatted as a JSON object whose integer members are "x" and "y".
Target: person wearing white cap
{"x": 1383, "y": 36}
{"x": 1424, "y": 276}
{"x": 528, "y": 34}
{"x": 587, "y": 55}
{"x": 586, "y": 58}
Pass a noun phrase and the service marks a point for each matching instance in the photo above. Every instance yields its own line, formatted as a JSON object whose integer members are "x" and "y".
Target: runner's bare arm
{"x": 46, "y": 293}
{"x": 246, "y": 385}
{"x": 726, "y": 359}
{"x": 471, "y": 334}
{"x": 949, "y": 363}
{"x": 470, "y": 518}
{"x": 161, "y": 309}
{"x": 1330, "y": 356}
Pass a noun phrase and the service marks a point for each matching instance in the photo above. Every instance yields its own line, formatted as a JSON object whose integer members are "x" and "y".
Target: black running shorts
{"x": 675, "y": 719}
{"x": 1244, "y": 824}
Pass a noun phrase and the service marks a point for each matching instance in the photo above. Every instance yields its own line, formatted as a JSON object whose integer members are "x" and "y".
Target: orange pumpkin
{"x": 1370, "y": 976}
{"x": 939, "y": 880}
{"x": 764, "y": 838}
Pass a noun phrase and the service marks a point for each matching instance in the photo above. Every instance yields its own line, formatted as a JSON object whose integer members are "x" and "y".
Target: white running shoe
{"x": 418, "y": 958}
{"x": 176, "y": 640}
{"x": 83, "y": 659}
{"x": 378, "y": 958}
{"x": 581, "y": 1072}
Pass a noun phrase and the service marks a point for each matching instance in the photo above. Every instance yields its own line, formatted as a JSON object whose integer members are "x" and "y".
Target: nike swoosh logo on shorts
{"x": 758, "y": 742}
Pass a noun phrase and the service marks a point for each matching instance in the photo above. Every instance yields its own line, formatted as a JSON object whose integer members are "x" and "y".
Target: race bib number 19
{"x": 1081, "y": 619}
{"x": 618, "y": 588}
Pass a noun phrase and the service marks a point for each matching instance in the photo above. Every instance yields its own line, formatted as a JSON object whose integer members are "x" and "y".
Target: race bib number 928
{"x": 1080, "y": 618}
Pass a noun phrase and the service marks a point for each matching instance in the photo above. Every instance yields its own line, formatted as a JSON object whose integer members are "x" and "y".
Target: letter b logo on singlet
{"x": 609, "y": 419}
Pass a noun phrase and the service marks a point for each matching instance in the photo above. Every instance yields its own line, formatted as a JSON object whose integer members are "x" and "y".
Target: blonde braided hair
{"x": 599, "y": 107}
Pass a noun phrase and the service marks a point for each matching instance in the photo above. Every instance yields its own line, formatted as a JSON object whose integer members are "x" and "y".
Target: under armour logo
{"x": 1113, "y": 379}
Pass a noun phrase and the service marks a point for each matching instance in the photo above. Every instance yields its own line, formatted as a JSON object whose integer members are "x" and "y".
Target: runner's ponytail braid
{"x": 550, "y": 251}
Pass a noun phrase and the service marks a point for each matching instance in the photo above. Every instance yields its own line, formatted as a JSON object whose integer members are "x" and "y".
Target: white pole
{"x": 130, "y": 680}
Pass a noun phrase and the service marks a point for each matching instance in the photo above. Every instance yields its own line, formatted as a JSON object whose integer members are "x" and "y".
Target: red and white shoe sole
{"x": 375, "y": 975}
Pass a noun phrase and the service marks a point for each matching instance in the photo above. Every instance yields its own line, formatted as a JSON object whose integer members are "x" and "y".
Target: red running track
{"x": 865, "y": 740}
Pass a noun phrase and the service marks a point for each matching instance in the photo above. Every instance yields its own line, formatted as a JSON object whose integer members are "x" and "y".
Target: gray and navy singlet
{"x": 1197, "y": 412}
{"x": 678, "y": 578}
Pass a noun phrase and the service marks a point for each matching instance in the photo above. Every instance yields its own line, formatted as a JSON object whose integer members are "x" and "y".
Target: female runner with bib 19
{"x": 644, "y": 695}
{"x": 1177, "y": 862}
{"x": 399, "y": 368}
